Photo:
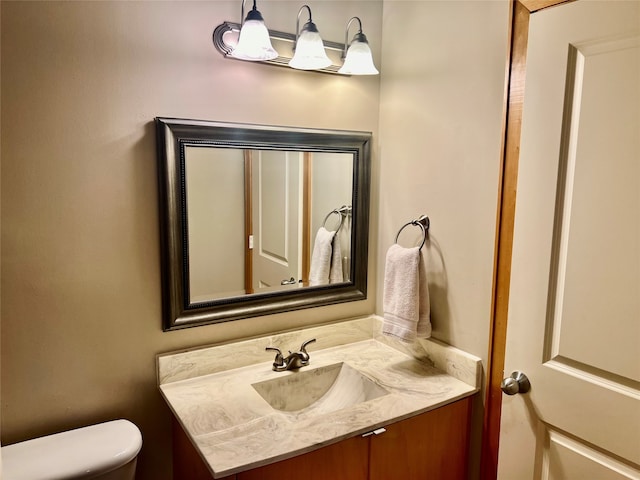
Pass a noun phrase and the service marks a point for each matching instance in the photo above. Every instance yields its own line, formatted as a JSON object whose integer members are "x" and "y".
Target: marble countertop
{"x": 235, "y": 429}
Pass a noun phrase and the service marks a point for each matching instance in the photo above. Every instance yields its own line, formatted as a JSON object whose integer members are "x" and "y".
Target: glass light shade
{"x": 359, "y": 60}
{"x": 310, "y": 53}
{"x": 254, "y": 43}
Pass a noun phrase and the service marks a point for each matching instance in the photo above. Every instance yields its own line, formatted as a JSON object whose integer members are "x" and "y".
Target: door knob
{"x": 516, "y": 383}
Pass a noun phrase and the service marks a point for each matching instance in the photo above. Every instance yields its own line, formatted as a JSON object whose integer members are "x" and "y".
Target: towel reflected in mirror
{"x": 326, "y": 259}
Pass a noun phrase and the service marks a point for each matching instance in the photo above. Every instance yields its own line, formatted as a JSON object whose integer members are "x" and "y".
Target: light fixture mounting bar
{"x": 282, "y": 60}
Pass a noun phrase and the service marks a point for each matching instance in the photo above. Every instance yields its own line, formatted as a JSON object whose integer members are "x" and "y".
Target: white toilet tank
{"x": 106, "y": 451}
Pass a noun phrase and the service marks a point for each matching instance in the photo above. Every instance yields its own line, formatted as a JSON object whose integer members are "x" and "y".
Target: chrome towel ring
{"x": 342, "y": 212}
{"x": 423, "y": 222}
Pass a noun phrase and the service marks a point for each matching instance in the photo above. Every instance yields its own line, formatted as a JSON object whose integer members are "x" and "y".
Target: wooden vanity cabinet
{"x": 346, "y": 460}
{"x": 433, "y": 445}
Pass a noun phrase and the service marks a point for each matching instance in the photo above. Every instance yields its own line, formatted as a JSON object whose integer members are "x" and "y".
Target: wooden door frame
{"x": 248, "y": 221}
{"x": 520, "y": 13}
{"x": 306, "y": 217}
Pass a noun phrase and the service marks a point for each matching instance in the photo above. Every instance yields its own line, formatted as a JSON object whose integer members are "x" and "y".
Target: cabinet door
{"x": 187, "y": 463}
{"x": 346, "y": 460}
{"x": 433, "y": 445}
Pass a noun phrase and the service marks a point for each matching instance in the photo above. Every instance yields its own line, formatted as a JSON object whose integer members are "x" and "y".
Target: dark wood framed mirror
{"x": 241, "y": 212}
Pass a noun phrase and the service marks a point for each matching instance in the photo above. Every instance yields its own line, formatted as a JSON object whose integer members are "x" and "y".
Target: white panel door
{"x": 277, "y": 207}
{"x": 574, "y": 308}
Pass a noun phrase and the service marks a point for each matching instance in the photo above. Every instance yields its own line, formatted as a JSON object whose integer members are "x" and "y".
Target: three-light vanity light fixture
{"x": 254, "y": 44}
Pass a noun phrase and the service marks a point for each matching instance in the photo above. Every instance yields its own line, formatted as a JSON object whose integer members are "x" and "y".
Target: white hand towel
{"x": 406, "y": 296}
{"x": 335, "y": 274}
{"x": 321, "y": 257}
{"x": 423, "y": 330}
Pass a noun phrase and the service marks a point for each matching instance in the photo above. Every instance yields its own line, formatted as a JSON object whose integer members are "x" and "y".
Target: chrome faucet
{"x": 294, "y": 360}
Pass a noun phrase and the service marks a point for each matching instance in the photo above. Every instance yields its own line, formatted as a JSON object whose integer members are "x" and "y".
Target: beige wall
{"x": 214, "y": 180}
{"x": 81, "y": 84}
{"x": 331, "y": 187}
{"x": 439, "y": 147}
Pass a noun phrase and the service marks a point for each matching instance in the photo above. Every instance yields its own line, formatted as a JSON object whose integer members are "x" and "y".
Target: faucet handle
{"x": 304, "y": 345}
{"x": 279, "y": 360}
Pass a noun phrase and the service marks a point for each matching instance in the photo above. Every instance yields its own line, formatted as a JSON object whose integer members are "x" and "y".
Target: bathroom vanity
{"x": 366, "y": 407}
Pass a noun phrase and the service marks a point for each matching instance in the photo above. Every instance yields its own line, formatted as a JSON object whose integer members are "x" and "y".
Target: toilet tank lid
{"x": 84, "y": 452}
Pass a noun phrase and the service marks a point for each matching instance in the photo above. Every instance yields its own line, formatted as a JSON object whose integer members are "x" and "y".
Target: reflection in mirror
{"x": 215, "y": 205}
{"x": 279, "y": 199}
{"x": 259, "y": 219}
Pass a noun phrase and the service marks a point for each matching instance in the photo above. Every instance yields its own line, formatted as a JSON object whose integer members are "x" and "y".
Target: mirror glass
{"x": 260, "y": 219}
{"x": 271, "y": 197}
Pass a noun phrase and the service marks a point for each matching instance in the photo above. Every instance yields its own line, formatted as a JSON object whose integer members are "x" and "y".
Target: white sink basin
{"x": 324, "y": 389}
